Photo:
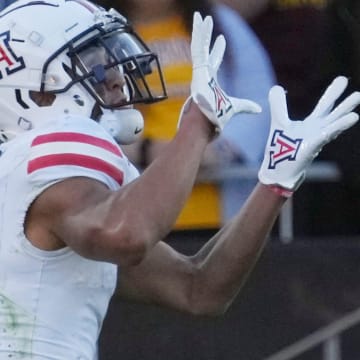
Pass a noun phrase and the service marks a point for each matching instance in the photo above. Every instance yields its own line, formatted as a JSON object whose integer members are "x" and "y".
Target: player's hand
{"x": 213, "y": 102}
{"x": 292, "y": 145}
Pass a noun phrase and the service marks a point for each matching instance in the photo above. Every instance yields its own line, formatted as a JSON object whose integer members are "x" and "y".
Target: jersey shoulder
{"x": 75, "y": 146}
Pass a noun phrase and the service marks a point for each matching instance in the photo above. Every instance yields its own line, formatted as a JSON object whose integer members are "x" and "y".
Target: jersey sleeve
{"x": 76, "y": 147}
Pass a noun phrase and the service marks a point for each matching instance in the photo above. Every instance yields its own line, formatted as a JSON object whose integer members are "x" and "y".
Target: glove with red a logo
{"x": 213, "y": 102}
{"x": 292, "y": 145}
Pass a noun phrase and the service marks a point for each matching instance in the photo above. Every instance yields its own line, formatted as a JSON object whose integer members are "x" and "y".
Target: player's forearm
{"x": 156, "y": 198}
{"x": 225, "y": 262}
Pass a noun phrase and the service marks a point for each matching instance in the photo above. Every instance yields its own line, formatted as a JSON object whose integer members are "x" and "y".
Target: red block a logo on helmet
{"x": 9, "y": 62}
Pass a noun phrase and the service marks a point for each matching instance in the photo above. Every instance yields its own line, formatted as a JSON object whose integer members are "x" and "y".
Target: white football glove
{"x": 213, "y": 102}
{"x": 292, "y": 145}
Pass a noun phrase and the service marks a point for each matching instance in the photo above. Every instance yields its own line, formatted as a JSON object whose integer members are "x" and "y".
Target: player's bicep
{"x": 75, "y": 171}
{"x": 64, "y": 214}
{"x": 164, "y": 277}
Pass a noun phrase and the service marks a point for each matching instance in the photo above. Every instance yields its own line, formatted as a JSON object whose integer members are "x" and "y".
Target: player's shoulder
{"x": 75, "y": 146}
{"x": 75, "y": 131}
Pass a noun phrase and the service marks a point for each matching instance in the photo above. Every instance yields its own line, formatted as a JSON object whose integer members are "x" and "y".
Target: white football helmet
{"x": 48, "y": 46}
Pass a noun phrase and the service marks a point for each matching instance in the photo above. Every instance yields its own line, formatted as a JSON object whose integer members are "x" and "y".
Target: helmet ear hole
{"x": 42, "y": 98}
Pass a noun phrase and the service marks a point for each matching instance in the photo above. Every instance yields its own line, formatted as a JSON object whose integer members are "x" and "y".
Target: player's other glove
{"x": 292, "y": 145}
{"x": 213, "y": 102}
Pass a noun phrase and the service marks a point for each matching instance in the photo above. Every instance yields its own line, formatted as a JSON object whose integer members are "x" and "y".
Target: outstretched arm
{"x": 207, "y": 282}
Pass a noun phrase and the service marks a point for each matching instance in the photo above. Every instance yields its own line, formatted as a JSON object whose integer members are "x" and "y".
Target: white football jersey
{"x": 52, "y": 303}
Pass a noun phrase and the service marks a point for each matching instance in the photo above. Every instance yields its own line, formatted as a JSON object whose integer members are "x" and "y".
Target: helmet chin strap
{"x": 125, "y": 125}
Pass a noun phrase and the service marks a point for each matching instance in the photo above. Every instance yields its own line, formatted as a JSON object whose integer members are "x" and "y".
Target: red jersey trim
{"x": 76, "y": 160}
{"x": 77, "y": 137}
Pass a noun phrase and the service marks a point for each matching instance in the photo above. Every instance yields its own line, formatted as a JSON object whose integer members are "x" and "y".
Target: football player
{"x": 73, "y": 209}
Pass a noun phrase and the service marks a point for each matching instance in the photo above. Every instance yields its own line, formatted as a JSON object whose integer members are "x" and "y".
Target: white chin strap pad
{"x": 125, "y": 125}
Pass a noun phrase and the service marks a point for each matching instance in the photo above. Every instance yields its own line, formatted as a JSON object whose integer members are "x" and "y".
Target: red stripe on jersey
{"x": 76, "y": 137}
{"x": 76, "y": 160}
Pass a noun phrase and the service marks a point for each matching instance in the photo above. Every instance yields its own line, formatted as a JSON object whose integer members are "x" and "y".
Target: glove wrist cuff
{"x": 281, "y": 191}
